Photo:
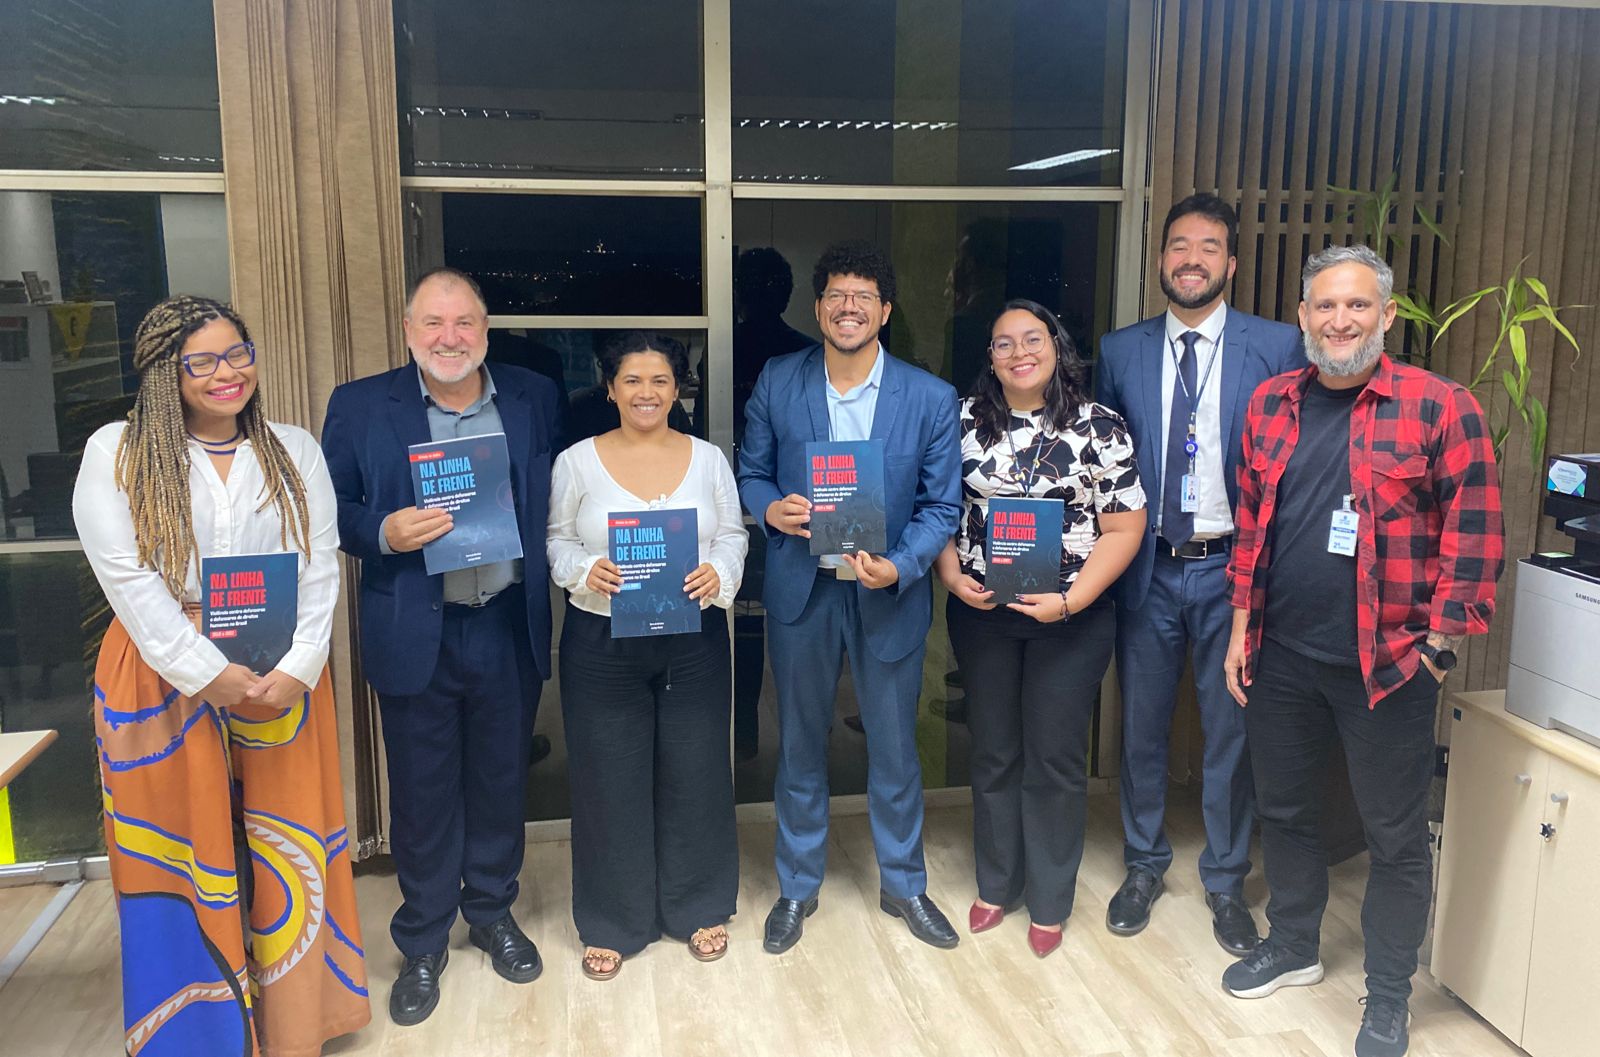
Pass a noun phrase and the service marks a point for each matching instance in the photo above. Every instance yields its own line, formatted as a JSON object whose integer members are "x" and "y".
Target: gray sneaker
{"x": 1267, "y": 968}
{"x": 1383, "y": 1028}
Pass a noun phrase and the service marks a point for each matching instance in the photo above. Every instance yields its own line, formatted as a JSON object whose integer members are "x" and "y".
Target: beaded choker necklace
{"x": 209, "y": 449}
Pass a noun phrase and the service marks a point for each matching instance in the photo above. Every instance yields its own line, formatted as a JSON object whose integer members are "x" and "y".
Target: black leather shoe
{"x": 416, "y": 990}
{"x": 1129, "y": 910}
{"x": 926, "y": 921}
{"x": 538, "y": 749}
{"x": 513, "y": 954}
{"x": 785, "y": 922}
{"x": 1232, "y": 924}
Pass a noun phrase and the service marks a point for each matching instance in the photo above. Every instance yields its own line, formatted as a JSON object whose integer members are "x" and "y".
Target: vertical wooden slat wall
{"x": 310, "y": 134}
{"x": 1485, "y": 116}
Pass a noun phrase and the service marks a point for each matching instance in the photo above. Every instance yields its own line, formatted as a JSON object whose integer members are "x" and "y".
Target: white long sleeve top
{"x": 582, "y": 493}
{"x": 226, "y": 522}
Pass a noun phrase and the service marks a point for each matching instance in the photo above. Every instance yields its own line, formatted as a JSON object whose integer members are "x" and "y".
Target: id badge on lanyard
{"x": 1343, "y": 530}
{"x": 1189, "y": 493}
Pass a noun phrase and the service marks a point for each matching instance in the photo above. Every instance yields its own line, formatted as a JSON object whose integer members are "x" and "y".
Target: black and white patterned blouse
{"x": 1089, "y": 465}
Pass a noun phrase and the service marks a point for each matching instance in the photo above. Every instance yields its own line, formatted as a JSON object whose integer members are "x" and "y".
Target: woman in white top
{"x": 223, "y": 808}
{"x": 654, "y": 848}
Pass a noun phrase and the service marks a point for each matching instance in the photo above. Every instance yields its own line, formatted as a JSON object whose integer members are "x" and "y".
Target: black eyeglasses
{"x": 204, "y": 364}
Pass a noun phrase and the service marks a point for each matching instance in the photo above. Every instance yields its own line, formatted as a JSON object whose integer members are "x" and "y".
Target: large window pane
{"x": 608, "y": 89}
{"x": 956, "y": 264}
{"x": 109, "y": 84}
{"x": 52, "y": 616}
{"x": 565, "y": 255}
{"x": 96, "y": 262}
{"x": 970, "y": 92}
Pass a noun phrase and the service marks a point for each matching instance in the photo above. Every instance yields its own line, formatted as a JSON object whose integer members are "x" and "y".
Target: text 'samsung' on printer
{"x": 1554, "y": 679}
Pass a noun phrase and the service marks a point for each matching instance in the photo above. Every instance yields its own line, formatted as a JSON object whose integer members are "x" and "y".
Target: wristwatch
{"x": 1444, "y": 660}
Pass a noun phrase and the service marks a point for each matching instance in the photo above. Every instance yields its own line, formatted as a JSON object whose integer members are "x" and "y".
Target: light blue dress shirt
{"x": 850, "y": 418}
{"x": 474, "y": 586}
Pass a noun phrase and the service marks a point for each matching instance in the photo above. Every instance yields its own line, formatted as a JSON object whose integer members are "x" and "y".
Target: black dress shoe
{"x": 539, "y": 749}
{"x": 416, "y": 989}
{"x": 1232, "y": 924}
{"x": 926, "y": 921}
{"x": 1129, "y": 910}
{"x": 513, "y": 954}
{"x": 785, "y": 922}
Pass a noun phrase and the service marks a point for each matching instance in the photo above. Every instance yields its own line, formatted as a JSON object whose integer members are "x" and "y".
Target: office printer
{"x": 1554, "y": 679}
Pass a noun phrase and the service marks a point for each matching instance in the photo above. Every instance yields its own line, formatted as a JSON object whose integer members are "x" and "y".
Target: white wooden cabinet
{"x": 1517, "y": 931}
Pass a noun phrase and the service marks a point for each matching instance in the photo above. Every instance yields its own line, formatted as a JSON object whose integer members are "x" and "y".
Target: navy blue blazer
{"x": 370, "y": 423}
{"x": 916, "y": 417}
{"x": 1127, "y": 379}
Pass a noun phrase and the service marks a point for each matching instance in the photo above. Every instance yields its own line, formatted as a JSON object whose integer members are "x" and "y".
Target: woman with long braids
{"x": 224, "y": 816}
{"x": 1029, "y": 431}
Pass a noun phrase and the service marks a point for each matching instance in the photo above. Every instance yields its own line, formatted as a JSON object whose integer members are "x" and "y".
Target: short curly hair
{"x": 624, "y": 344}
{"x": 854, "y": 257}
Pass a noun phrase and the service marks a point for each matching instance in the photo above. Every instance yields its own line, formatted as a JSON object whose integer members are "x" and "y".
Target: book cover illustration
{"x": 471, "y": 478}
{"x": 654, "y": 550}
{"x": 250, "y": 606}
{"x": 1023, "y": 552}
{"x": 846, "y": 492}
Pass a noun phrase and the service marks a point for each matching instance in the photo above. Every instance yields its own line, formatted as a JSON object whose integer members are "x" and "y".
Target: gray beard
{"x": 1365, "y": 356}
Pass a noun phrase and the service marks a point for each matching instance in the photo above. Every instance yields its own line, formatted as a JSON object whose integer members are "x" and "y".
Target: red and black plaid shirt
{"x": 1430, "y": 546}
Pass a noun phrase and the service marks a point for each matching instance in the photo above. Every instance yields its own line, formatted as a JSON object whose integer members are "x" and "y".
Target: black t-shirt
{"x": 1311, "y": 592}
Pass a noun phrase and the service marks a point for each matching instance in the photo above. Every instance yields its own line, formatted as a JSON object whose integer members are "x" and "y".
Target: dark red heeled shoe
{"x": 1042, "y": 941}
{"x": 982, "y": 919}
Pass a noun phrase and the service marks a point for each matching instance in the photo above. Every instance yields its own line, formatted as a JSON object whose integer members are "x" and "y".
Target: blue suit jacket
{"x": 916, "y": 418}
{"x": 370, "y": 423}
{"x": 1127, "y": 379}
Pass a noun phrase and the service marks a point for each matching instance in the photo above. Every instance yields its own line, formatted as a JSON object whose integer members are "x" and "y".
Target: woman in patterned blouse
{"x": 1032, "y": 665}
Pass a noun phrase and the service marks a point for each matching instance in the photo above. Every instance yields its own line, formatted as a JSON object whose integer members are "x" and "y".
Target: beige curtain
{"x": 309, "y": 128}
{"x": 1486, "y": 117}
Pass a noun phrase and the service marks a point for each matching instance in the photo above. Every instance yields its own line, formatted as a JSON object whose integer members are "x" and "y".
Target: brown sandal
{"x": 594, "y": 960}
{"x": 710, "y": 936}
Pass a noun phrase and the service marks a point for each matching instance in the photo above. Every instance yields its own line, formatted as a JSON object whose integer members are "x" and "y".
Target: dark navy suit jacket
{"x": 916, "y": 417}
{"x": 369, "y": 426}
{"x": 1127, "y": 379}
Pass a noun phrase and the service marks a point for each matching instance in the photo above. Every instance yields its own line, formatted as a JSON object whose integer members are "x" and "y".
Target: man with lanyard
{"x": 875, "y": 608}
{"x": 1181, "y": 380}
{"x": 457, "y": 659}
{"x": 1370, "y": 541}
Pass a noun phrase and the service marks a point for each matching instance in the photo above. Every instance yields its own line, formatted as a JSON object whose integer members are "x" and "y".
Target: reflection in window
{"x": 556, "y": 91}
{"x": 980, "y": 92}
{"x": 77, "y": 273}
{"x": 565, "y": 254}
{"x": 109, "y": 84}
{"x": 52, "y": 616}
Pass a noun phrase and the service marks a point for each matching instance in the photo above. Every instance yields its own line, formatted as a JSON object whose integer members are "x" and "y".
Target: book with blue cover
{"x": 250, "y": 606}
{"x": 471, "y": 478}
{"x": 1023, "y": 549}
{"x": 654, "y": 550}
{"x": 845, "y": 486}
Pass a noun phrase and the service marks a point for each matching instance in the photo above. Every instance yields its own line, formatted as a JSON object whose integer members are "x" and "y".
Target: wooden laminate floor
{"x": 857, "y": 984}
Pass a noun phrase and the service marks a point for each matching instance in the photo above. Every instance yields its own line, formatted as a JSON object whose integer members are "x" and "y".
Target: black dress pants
{"x": 1298, "y": 706}
{"x": 458, "y": 774}
{"x": 1031, "y": 691}
{"x": 654, "y": 848}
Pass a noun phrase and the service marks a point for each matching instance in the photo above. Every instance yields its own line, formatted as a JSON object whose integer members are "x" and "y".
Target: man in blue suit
{"x": 875, "y": 608}
{"x": 1182, "y": 381}
{"x": 457, "y": 659}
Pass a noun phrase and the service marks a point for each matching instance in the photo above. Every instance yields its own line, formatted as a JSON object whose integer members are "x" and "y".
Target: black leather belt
{"x": 1195, "y": 549}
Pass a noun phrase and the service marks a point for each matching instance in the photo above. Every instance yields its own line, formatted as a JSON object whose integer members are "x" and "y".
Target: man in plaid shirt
{"x": 1369, "y": 542}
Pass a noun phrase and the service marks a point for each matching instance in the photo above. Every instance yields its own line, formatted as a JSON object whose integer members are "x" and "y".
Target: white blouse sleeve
{"x": 319, "y": 580}
{"x": 732, "y": 539}
{"x": 570, "y": 560}
{"x": 155, "y": 621}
